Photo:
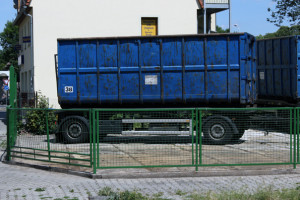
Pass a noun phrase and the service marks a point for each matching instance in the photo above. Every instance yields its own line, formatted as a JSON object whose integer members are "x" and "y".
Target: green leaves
{"x": 281, "y": 32}
{"x": 8, "y": 39}
{"x": 285, "y": 11}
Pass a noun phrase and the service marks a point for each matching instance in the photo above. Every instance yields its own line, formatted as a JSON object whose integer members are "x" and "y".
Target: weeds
{"x": 262, "y": 194}
{"x": 40, "y": 189}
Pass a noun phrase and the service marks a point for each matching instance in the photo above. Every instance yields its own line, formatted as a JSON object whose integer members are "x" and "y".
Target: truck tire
{"x": 75, "y": 129}
{"x": 218, "y": 130}
{"x": 239, "y": 135}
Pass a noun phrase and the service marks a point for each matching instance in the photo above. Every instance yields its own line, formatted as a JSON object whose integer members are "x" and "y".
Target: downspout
{"x": 31, "y": 42}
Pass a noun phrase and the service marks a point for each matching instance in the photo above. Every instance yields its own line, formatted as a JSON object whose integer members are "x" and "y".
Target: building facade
{"x": 41, "y": 23}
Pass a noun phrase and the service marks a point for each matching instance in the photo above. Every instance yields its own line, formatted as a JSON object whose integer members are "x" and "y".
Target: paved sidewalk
{"x": 18, "y": 182}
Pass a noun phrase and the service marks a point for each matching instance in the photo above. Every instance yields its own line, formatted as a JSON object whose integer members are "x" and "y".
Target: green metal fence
{"x": 35, "y": 134}
{"x": 148, "y": 138}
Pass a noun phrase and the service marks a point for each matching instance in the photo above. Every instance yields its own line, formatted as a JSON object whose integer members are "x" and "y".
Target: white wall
{"x": 98, "y": 18}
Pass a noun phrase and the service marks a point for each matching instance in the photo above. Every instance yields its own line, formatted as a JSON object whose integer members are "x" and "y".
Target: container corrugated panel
{"x": 277, "y": 68}
{"x": 159, "y": 70}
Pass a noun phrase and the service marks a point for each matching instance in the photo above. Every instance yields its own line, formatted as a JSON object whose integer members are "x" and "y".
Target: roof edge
{"x": 21, "y": 15}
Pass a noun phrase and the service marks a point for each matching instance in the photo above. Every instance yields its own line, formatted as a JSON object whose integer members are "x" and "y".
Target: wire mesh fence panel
{"x": 53, "y": 136}
{"x": 145, "y": 138}
{"x": 246, "y": 136}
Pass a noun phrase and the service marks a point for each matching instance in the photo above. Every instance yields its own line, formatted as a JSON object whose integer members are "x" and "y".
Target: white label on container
{"x": 68, "y": 89}
{"x": 151, "y": 80}
{"x": 262, "y": 75}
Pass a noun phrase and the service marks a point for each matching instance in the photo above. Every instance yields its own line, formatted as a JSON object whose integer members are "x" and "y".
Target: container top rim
{"x": 158, "y": 36}
{"x": 283, "y": 37}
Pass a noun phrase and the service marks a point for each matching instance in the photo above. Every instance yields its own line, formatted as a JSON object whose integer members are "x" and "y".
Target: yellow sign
{"x": 149, "y": 26}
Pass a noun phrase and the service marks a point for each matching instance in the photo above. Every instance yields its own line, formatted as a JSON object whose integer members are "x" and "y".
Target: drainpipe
{"x": 31, "y": 42}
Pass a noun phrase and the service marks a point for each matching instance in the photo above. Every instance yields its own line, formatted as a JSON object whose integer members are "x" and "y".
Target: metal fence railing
{"x": 42, "y": 135}
{"x": 143, "y": 138}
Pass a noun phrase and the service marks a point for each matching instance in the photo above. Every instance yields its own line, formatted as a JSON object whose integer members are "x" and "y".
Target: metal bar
{"x": 148, "y": 166}
{"x": 197, "y": 142}
{"x": 8, "y": 135}
{"x": 64, "y": 163}
{"x": 130, "y": 121}
{"x": 156, "y": 132}
{"x": 98, "y": 73}
{"x": 205, "y": 72}
{"x": 52, "y": 151}
{"x": 161, "y": 73}
{"x": 144, "y": 109}
{"x": 183, "y": 70}
{"x": 94, "y": 142}
{"x": 297, "y": 119}
{"x": 200, "y": 137}
{"x": 91, "y": 138}
{"x": 48, "y": 140}
{"x": 295, "y": 140}
{"x": 228, "y": 70}
{"x": 119, "y": 72}
{"x": 97, "y": 132}
{"x": 192, "y": 134}
{"x": 42, "y": 155}
{"x": 77, "y": 73}
{"x": 291, "y": 136}
{"x": 140, "y": 73}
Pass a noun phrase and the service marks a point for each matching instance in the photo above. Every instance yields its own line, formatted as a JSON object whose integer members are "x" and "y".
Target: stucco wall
{"x": 96, "y": 18}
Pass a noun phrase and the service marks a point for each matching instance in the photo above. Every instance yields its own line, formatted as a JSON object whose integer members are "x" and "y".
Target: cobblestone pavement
{"x": 18, "y": 182}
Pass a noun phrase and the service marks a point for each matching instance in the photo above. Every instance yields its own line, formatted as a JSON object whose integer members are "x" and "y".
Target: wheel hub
{"x": 217, "y": 131}
{"x": 75, "y": 130}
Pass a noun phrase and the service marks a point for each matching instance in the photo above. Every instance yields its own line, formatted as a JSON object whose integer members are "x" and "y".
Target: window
{"x": 149, "y": 26}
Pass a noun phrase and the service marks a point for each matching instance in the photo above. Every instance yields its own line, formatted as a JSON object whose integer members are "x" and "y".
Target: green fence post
{"x": 8, "y": 134}
{"x": 200, "y": 137}
{"x": 11, "y": 116}
{"x": 48, "y": 139}
{"x": 193, "y": 141}
{"x": 91, "y": 138}
{"x": 97, "y": 140}
{"x": 94, "y": 142}
{"x": 297, "y": 131}
{"x": 291, "y": 136}
{"x": 197, "y": 141}
{"x": 295, "y": 138}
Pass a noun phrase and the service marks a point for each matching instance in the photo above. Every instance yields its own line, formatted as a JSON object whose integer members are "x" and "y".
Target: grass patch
{"x": 262, "y": 194}
{"x": 40, "y": 189}
{"x": 127, "y": 195}
{"x": 3, "y": 144}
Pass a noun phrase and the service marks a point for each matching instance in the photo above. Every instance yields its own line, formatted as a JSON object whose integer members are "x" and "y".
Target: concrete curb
{"x": 138, "y": 175}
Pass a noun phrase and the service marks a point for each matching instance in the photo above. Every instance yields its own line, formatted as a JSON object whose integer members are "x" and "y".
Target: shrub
{"x": 34, "y": 120}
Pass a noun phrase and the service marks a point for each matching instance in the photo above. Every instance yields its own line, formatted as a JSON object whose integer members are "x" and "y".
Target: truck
{"x": 177, "y": 71}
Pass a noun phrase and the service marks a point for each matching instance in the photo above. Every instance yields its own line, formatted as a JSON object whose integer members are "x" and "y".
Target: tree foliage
{"x": 285, "y": 10}
{"x": 9, "y": 37}
{"x": 281, "y": 32}
{"x": 221, "y": 30}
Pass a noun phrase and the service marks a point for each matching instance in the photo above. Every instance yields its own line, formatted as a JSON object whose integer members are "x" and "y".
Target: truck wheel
{"x": 75, "y": 129}
{"x": 217, "y": 130}
{"x": 239, "y": 135}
